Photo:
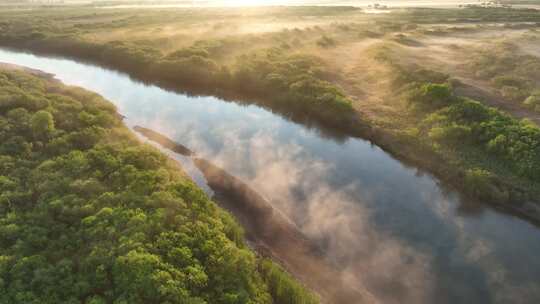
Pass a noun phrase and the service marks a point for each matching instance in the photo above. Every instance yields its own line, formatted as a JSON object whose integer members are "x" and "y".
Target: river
{"x": 382, "y": 224}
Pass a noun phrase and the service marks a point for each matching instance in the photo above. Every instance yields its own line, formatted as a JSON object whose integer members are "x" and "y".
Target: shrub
{"x": 283, "y": 288}
{"x": 465, "y": 122}
{"x": 403, "y": 76}
{"x": 188, "y": 52}
{"x": 533, "y": 102}
{"x": 430, "y": 96}
{"x": 479, "y": 183}
{"x": 513, "y": 93}
{"x": 452, "y": 134}
{"x": 502, "y": 81}
{"x": 326, "y": 42}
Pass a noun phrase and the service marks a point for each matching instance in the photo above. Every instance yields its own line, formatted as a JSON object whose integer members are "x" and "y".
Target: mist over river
{"x": 383, "y": 225}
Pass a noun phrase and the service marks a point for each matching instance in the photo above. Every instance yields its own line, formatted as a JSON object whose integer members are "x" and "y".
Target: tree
{"x": 42, "y": 124}
{"x": 430, "y": 96}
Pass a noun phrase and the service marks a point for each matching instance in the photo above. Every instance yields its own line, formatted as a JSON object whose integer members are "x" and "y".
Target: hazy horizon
{"x": 359, "y": 3}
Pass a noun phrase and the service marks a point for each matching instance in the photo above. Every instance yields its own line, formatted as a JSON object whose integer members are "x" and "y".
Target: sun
{"x": 250, "y": 2}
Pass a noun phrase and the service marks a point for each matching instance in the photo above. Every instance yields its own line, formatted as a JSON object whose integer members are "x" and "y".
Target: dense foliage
{"x": 463, "y": 125}
{"x": 516, "y": 143}
{"x": 296, "y": 80}
{"x": 282, "y": 287}
{"x": 90, "y": 215}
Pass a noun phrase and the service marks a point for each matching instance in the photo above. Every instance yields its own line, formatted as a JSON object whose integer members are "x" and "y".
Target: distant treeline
{"x": 471, "y": 14}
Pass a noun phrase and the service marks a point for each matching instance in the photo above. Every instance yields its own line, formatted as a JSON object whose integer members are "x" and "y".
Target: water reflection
{"x": 383, "y": 225}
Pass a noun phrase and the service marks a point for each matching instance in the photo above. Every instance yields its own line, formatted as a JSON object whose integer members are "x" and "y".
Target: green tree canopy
{"x": 42, "y": 124}
{"x": 88, "y": 214}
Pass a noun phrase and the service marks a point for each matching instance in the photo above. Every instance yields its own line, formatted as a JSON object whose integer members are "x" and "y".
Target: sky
{"x": 327, "y": 2}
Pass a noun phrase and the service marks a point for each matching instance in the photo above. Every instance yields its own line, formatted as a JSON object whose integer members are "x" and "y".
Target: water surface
{"x": 386, "y": 225}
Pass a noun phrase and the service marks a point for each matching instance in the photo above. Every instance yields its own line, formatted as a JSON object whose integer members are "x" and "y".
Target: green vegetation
{"x": 480, "y": 149}
{"x": 271, "y": 74}
{"x": 310, "y": 66}
{"x": 215, "y": 51}
{"x": 533, "y": 101}
{"x": 485, "y": 140}
{"x": 430, "y": 96}
{"x": 296, "y": 81}
{"x": 282, "y": 287}
{"x": 90, "y": 215}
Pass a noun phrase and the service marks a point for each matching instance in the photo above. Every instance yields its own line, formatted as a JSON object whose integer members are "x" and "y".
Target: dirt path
{"x": 448, "y": 55}
{"x": 363, "y": 79}
{"x": 451, "y": 54}
{"x": 477, "y": 90}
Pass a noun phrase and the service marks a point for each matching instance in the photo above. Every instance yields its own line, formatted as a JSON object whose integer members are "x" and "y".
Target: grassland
{"x": 398, "y": 79}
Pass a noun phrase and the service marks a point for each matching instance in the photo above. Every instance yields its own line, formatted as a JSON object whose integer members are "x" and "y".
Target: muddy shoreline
{"x": 163, "y": 141}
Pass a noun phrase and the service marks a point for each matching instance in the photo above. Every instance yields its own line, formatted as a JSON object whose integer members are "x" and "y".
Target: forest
{"x": 89, "y": 214}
